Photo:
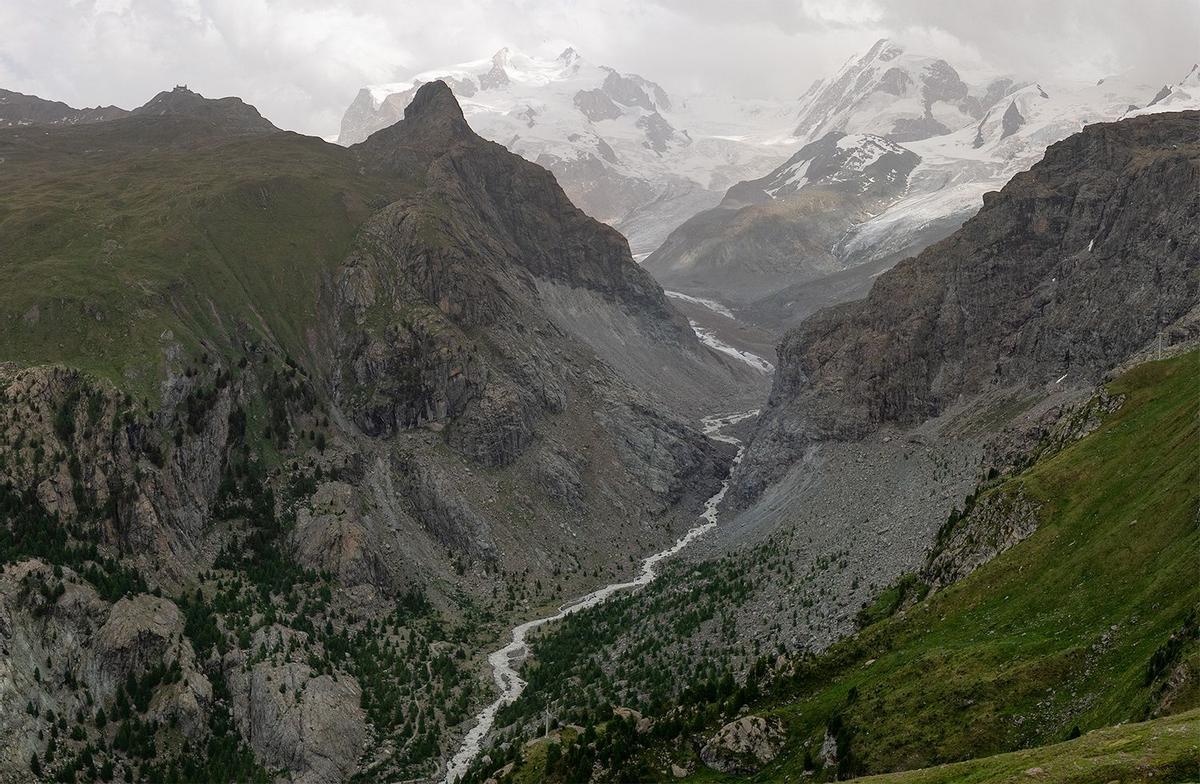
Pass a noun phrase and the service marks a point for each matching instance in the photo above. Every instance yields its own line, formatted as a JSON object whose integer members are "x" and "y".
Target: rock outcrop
{"x": 997, "y": 522}
{"x": 743, "y": 746}
{"x": 307, "y": 723}
{"x": 66, "y": 651}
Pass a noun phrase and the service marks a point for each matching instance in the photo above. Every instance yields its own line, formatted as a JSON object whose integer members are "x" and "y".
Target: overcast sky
{"x": 302, "y": 61}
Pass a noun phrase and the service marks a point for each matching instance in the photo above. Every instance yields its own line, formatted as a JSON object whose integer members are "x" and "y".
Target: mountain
{"x": 624, "y": 150}
{"x": 284, "y": 413}
{"x": 970, "y": 140}
{"x": 18, "y": 109}
{"x": 898, "y": 94}
{"x": 228, "y": 115}
{"x": 963, "y": 526}
{"x": 1061, "y": 277}
{"x": 783, "y": 229}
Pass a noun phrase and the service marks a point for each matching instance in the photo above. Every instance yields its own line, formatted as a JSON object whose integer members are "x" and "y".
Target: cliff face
{"x": 519, "y": 207}
{"x": 1066, "y": 272}
{"x": 485, "y": 274}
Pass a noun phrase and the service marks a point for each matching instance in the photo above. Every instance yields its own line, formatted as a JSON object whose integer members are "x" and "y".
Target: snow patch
{"x": 711, "y": 304}
{"x": 712, "y": 341}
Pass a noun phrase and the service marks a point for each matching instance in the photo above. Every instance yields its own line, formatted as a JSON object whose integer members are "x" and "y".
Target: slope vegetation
{"x": 1089, "y": 622}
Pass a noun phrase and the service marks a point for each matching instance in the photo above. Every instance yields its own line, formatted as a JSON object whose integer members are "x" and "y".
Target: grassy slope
{"x": 119, "y": 231}
{"x": 1166, "y": 749}
{"x": 1058, "y": 631}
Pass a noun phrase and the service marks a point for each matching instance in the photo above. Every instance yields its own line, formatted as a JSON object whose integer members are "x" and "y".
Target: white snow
{"x": 711, "y": 304}
{"x": 709, "y": 339}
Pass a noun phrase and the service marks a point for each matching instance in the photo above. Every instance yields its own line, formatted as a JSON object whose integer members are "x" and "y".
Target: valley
{"x": 504, "y": 661}
{"x": 554, "y": 426}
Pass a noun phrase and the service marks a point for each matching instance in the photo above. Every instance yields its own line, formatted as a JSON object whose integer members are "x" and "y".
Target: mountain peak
{"x": 433, "y": 122}
{"x": 434, "y": 103}
{"x": 884, "y": 49}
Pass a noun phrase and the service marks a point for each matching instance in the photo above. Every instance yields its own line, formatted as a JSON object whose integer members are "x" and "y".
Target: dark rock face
{"x": 439, "y": 316}
{"x": 659, "y": 132}
{"x": 635, "y": 91}
{"x": 895, "y": 81}
{"x": 913, "y": 129}
{"x": 1070, "y": 269}
{"x": 161, "y": 508}
{"x": 942, "y": 83}
{"x": 1012, "y": 120}
{"x": 596, "y": 105}
{"x": 19, "y": 109}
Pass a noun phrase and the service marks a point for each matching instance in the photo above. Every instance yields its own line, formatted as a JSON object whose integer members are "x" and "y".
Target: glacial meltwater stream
{"x": 505, "y": 661}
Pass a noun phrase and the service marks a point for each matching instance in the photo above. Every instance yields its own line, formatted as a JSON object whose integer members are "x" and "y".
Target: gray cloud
{"x": 301, "y": 61}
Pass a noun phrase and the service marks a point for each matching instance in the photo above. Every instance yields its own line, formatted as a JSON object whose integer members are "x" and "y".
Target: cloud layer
{"x": 301, "y": 61}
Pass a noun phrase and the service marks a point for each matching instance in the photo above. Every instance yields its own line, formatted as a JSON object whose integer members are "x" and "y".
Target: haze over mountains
{"x": 625, "y": 150}
{"x": 967, "y": 140}
{"x": 633, "y": 155}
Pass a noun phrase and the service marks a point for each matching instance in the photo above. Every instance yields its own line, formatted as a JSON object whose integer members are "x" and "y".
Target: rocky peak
{"x": 855, "y": 163}
{"x": 432, "y": 123}
{"x": 435, "y": 103}
{"x": 884, "y": 50}
{"x": 873, "y": 94}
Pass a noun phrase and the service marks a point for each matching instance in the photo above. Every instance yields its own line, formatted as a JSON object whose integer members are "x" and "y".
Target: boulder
{"x": 744, "y": 746}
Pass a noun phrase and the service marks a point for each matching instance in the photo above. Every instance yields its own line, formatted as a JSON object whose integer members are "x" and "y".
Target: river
{"x": 505, "y": 661}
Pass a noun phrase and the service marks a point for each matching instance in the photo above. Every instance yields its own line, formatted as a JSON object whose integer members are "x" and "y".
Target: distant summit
{"x": 894, "y": 93}
{"x": 230, "y": 115}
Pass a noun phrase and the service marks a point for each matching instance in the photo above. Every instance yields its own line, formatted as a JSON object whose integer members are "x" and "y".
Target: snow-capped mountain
{"x": 782, "y": 229}
{"x": 862, "y": 162}
{"x": 624, "y": 150}
{"x": 1183, "y": 95}
{"x": 894, "y": 93}
{"x": 958, "y": 141}
{"x": 958, "y": 167}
